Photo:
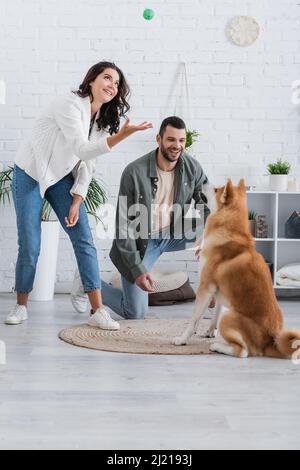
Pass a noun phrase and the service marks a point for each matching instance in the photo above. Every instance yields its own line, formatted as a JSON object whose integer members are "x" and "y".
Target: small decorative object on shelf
{"x": 292, "y": 226}
{"x": 292, "y": 185}
{"x": 262, "y": 228}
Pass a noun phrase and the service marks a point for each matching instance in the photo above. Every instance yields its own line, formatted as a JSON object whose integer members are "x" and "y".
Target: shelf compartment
{"x": 264, "y": 204}
{"x": 286, "y": 254}
{"x": 287, "y": 204}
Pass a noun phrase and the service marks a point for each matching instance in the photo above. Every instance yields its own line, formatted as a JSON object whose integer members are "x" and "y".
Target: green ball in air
{"x": 148, "y": 14}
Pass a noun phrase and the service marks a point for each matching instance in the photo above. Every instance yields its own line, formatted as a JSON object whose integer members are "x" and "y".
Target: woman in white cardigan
{"x": 57, "y": 163}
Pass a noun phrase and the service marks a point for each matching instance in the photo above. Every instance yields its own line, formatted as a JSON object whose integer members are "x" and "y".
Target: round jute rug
{"x": 139, "y": 337}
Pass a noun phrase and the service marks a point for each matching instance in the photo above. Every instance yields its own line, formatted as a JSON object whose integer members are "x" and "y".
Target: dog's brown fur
{"x": 233, "y": 268}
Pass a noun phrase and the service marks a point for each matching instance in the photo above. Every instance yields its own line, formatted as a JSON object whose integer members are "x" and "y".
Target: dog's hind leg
{"x": 232, "y": 342}
{"x": 203, "y": 300}
{"x": 228, "y": 349}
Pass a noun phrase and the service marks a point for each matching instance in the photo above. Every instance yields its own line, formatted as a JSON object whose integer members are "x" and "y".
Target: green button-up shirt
{"x": 137, "y": 195}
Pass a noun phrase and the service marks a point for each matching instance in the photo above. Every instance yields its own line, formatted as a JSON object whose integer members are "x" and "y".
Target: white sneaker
{"x": 79, "y": 298}
{"x": 17, "y": 315}
{"x": 102, "y": 319}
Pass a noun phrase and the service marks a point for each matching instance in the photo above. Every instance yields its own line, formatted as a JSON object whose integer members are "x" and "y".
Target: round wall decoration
{"x": 244, "y": 30}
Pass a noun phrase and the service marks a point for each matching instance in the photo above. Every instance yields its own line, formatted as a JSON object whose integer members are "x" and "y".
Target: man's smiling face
{"x": 172, "y": 144}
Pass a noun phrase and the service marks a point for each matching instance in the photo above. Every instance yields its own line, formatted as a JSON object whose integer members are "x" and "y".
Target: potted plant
{"x": 278, "y": 172}
{"x": 252, "y": 222}
{"x": 43, "y": 289}
{"x": 191, "y": 138}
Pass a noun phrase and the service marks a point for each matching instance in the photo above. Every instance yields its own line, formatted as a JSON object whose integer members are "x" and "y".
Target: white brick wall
{"x": 241, "y": 97}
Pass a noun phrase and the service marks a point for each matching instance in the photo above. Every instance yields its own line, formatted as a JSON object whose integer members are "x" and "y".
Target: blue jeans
{"x": 28, "y": 204}
{"x": 132, "y": 302}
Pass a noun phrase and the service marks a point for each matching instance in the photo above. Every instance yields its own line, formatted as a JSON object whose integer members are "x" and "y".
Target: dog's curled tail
{"x": 286, "y": 345}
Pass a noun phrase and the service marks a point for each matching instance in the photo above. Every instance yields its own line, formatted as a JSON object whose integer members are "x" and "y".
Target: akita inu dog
{"x": 235, "y": 274}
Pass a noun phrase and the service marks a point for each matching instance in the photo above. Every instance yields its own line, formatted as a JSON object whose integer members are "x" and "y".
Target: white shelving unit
{"x": 276, "y": 249}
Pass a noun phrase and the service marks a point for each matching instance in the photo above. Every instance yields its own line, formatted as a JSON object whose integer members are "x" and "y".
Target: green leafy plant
{"x": 279, "y": 168}
{"x": 96, "y": 196}
{"x": 191, "y": 138}
{"x": 252, "y": 215}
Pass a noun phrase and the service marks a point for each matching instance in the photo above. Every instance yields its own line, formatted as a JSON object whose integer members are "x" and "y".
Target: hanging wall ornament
{"x": 182, "y": 95}
{"x": 244, "y": 31}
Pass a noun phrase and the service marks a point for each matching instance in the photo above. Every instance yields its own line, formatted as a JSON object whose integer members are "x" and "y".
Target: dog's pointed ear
{"x": 227, "y": 191}
{"x": 242, "y": 184}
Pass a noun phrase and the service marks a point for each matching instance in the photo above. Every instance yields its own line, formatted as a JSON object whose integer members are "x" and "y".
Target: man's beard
{"x": 165, "y": 154}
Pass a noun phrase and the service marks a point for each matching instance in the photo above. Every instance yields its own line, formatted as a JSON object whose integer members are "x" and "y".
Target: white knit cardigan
{"x": 59, "y": 143}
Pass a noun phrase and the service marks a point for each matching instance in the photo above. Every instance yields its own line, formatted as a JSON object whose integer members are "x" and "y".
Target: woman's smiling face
{"x": 105, "y": 86}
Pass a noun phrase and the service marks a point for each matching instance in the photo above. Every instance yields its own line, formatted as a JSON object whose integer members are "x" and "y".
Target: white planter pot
{"x": 279, "y": 183}
{"x": 43, "y": 289}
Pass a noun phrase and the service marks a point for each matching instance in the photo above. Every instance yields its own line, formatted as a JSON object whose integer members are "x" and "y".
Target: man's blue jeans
{"x": 28, "y": 204}
{"x": 132, "y": 302}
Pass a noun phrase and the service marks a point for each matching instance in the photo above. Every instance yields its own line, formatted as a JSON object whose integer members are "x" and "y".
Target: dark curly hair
{"x": 110, "y": 113}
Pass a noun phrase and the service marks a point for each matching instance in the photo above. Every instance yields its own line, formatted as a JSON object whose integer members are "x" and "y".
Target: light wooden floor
{"x": 55, "y": 396}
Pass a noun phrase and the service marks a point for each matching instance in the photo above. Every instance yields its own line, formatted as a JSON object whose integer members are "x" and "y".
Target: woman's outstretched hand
{"x": 127, "y": 130}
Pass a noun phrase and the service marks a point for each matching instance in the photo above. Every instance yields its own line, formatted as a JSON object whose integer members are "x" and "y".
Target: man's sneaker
{"x": 102, "y": 319}
{"x": 17, "y": 315}
{"x": 79, "y": 298}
